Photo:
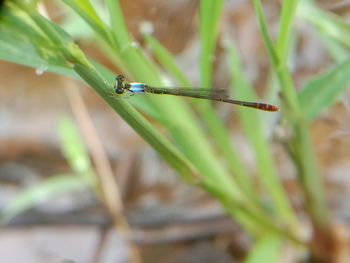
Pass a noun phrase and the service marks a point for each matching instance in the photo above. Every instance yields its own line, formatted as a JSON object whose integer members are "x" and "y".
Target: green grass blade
{"x": 265, "y": 33}
{"x": 167, "y": 60}
{"x": 87, "y": 12}
{"x": 31, "y": 48}
{"x": 117, "y": 23}
{"x": 285, "y": 79}
{"x": 130, "y": 51}
{"x": 20, "y": 51}
{"x": 73, "y": 148}
{"x": 329, "y": 24}
{"x": 319, "y": 94}
{"x": 338, "y": 52}
{"x": 14, "y": 21}
{"x": 210, "y": 13}
{"x": 309, "y": 176}
{"x": 52, "y": 187}
{"x": 286, "y": 26}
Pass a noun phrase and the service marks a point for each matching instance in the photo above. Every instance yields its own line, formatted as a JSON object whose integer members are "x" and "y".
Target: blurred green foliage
{"x": 29, "y": 39}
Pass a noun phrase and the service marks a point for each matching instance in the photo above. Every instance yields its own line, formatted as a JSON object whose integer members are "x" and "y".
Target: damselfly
{"x": 122, "y": 87}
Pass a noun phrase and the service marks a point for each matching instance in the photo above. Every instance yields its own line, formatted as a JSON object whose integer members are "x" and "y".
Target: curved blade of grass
{"x": 328, "y": 23}
{"x": 76, "y": 154}
{"x": 333, "y": 30}
{"x": 49, "y": 188}
{"x": 319, "y": 94}
{"x": 85, "y": 10}
{"x": 54, "y": 34}
{"x": 14, "y": 20}
{"x": 19, "y": 48}
{"x": 19, "y": 51}
{"x": 338, "y": 52}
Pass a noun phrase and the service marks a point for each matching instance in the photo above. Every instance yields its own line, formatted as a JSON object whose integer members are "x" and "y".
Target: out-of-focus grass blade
{"x": 328, "y": 23}
{"x": 267, "y": 249}
{"x": 85, "y": 10}
{"x": 54, "y": 34}
{"x": 31, "y": 49}
{"x": 167, "y": 60}
{"x": 333, "y": 30}
{"x": 336, "y": 50}
{"x": 280, "y": 63}
{"x": 210, "y": 13}
{"x": 19, "y": 51}
{"x": 286, "y": 26}
{"x": 117, "y": 22}
{"x": 142, "y": 68}
{"x": 49, "y": 188}
{"x": 265, "y": 32}
{"x": 61, "y": 44}
{"x": 15, "y": 21}
{"x": 73, "y": 147}
{"x": 321, "y": 93}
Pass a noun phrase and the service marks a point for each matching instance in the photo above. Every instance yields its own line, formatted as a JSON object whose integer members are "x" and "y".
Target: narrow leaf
{"x": 321, "y": 93}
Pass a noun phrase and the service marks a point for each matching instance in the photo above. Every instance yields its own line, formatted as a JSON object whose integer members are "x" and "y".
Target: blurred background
{"x": 42, "y": 115}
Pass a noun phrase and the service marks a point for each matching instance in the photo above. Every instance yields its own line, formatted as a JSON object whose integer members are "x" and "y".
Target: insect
{"x": 121, "y": 87}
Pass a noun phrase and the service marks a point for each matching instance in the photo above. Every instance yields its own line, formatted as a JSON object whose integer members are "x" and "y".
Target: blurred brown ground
{"x": 157, "y": 202}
